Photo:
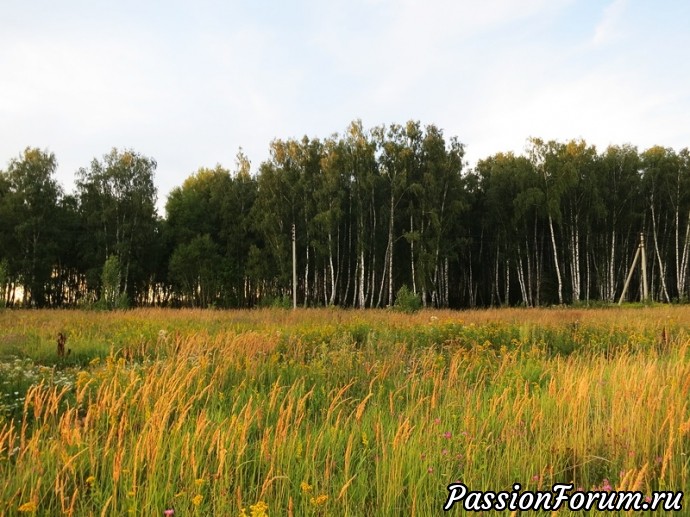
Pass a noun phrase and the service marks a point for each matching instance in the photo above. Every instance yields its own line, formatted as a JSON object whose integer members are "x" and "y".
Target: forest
{"x": 373, "y": 210}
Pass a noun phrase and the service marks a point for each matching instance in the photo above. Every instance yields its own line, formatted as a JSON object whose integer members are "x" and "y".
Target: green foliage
{"x": 276, "y": 302}
{"x": 117, "y": 198}
{"x": 31, "y": 206}
{"x": 195, "y": 269}
{"x": 373, "y": 209}
{"x": 4, "y": 277}
{"x": 407, "y": 301}
{"x": 111, "y": 296}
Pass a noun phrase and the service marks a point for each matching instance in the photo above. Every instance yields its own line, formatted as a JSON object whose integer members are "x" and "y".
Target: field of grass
{"x": 333, "y": 412}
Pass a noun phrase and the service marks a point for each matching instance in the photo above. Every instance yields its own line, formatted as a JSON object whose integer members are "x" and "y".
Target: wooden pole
{"x": 294, "y": 269}
{"x": 627, "y": 280}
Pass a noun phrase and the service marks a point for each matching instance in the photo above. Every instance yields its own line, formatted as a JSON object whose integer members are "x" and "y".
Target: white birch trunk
{"x": 662, "y": 274}
{"x": 414, "y": 280}
{"x": 390, "y": 252}
{"x": 684, "y": 261}
{"x": 611, "y": 291}
{"x": 555, "y": 261}
{"x": 331, "y": 299}
{"x": 360, "y": 290}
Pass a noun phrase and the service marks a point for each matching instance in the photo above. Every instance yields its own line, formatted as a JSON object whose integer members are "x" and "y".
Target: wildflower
{"x": 258, "y": 509}
{"x": 196, "y": 500}
{"x": 447, "y": 435}
{"x": 535, "y": 477}
{"x": 82, "y": 378}
{"x": 131, "y": 493}
{"x": 437, "y": 421}
{"x": 169, "y": 512}
{"x": 320, "y": 500}
{"x": 365, "y": 440}
{"x": 305, "y": 487}
{"x": 90, "y": 480}
{"x": 199, "y": 482}
{"x": 243, "y": 512}
{"x": 430, "y": 470}
{"x": 444, "y": 452}
{"x": 29, "y": 507}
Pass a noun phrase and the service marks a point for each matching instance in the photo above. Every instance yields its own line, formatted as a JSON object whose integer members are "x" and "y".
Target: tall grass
{"x": 334, "y": 412}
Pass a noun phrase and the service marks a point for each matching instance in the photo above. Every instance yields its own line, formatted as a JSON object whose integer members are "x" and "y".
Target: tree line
{"x": 373, "y": 210}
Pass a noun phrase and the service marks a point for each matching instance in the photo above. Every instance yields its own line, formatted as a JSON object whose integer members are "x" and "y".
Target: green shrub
{"x": 407, "y": 301}
{"x": 276, "y": 302}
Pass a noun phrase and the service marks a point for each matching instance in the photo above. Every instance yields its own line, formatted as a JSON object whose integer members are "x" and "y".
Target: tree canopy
{"x": 374, "y": 210}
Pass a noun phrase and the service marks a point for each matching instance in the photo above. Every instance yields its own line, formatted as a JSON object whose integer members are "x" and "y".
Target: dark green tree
{"x": 117, "y": 198}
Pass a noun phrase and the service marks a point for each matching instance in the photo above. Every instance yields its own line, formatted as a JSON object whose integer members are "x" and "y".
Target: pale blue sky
{"x": 188, "y": 83}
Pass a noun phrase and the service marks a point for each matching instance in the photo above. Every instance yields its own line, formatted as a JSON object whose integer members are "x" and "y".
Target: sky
{"x": 190, "y": 82}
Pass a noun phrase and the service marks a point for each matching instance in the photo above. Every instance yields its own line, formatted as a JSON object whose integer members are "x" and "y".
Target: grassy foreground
{"x": 332, "y": 412}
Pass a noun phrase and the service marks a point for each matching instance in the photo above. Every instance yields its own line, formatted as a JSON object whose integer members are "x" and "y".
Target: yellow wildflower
{"x": 259, "y": 509}
{"x": 306, "y": 487}
{"x": 29, "y": 507}
{"x": 320, "y": 500}
{"x": 82, "y": 378}
{"x": 196, "y": 500}
{"x": 199, "y": 482}
{"x": 90, "y": 480}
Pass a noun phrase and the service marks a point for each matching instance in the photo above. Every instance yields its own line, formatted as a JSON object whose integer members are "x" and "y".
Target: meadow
{"x": 336, "y": 412}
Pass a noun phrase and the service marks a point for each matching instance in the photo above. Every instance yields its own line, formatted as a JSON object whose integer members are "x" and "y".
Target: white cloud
{"x": 609, "y": 26}
{"x": 189, "y": 86}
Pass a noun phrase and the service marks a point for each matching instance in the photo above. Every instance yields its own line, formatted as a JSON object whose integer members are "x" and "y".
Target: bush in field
{"x": 111, "y": 297}
{"x": 407, "y": 301}
{"x": 276, "y": 302}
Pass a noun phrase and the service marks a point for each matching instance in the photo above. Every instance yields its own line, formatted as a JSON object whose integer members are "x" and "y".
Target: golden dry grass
{"x": 330, "y": 412}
